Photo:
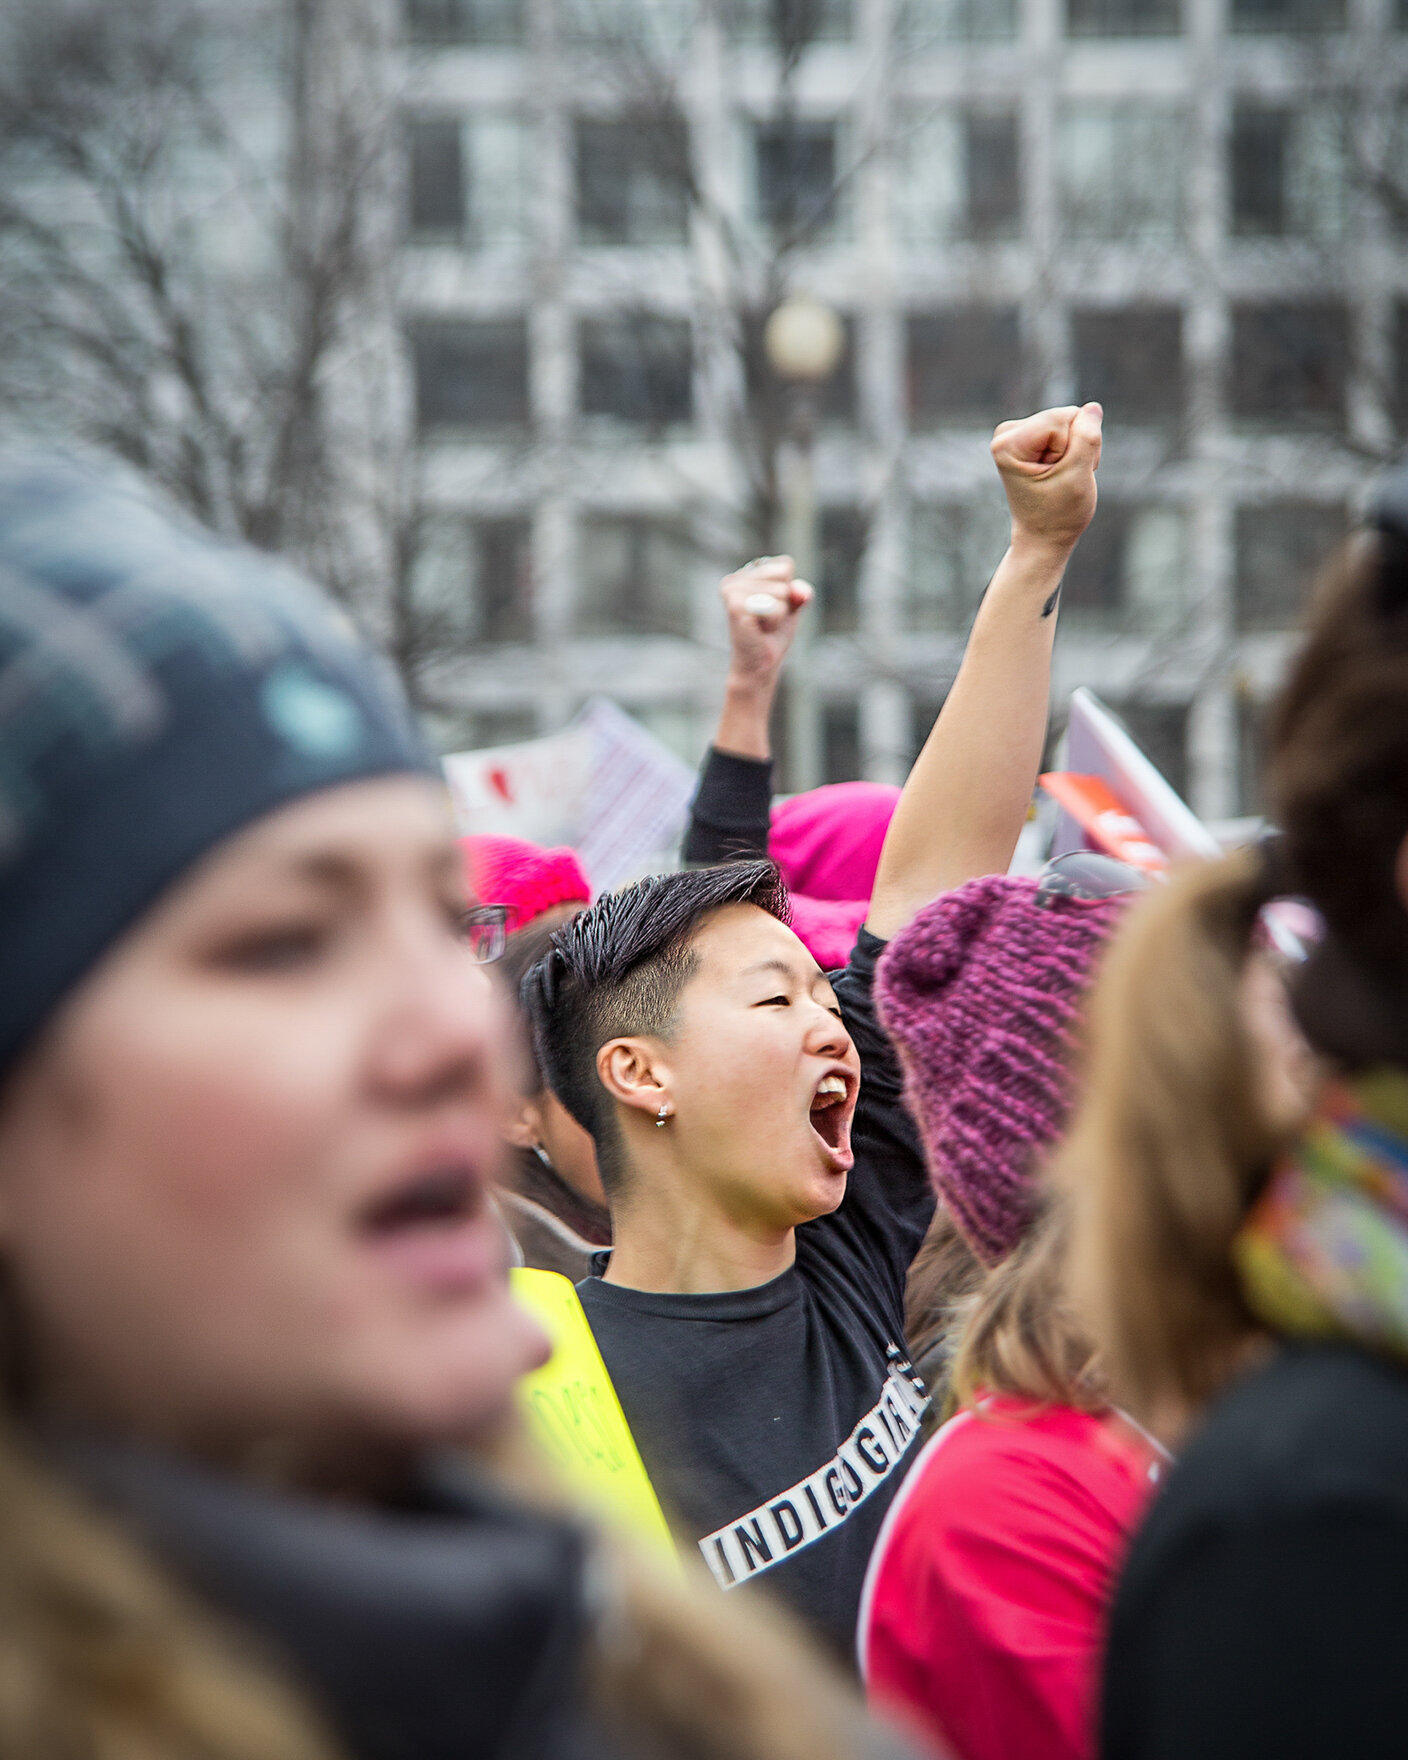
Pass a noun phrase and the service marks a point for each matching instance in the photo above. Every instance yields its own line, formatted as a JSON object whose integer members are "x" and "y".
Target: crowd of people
{"x": 1004, "y": 1280}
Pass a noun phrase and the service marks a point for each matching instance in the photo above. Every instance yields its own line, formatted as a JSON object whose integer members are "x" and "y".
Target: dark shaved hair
{"x": 616, "y": 971}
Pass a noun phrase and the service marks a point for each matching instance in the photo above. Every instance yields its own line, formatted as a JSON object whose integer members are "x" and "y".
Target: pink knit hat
{"x": 524, "y": 876}
{"x": 980, "y": 994}
{"x": 827, "y": 844}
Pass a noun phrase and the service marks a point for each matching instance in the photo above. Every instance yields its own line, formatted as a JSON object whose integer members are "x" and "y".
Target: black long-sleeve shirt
{"x": 729, "y": 816}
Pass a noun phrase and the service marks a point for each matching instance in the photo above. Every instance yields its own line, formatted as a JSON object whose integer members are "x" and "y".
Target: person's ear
{"x": 523, "y": 1124}
{"x": 631, "y": 1072}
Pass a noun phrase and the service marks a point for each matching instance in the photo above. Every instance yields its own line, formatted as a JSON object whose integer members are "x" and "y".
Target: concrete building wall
{"x": 1149, "y": 204}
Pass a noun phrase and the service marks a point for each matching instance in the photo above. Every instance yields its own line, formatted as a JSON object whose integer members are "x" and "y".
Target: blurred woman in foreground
{"x": 255, "y": 1302}
{"x": 1228, "y": 1255}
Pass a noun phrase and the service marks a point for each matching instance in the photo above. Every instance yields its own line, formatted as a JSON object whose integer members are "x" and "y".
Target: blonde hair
{"x": 1170, "y": 1143}
{"x": 938, "y": 1297}
{"x": 1024, "y": 1335}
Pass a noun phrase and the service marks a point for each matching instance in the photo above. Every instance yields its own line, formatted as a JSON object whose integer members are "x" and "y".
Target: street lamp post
{"x": 804, "y": 341}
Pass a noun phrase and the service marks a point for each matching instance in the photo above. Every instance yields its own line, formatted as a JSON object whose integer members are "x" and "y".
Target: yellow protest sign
{"x": 572, "y": 1410}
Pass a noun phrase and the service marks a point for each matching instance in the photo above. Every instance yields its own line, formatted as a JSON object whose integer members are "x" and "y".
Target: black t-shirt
{"x": 777, "y": 1422}
{"x": 1263, "y": 1610}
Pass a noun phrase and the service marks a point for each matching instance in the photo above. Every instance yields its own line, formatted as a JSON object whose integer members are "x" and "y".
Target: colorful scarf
{"x": 1324, "y": 1252}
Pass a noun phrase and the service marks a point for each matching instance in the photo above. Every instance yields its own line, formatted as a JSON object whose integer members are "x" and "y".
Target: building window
{"x": 1094, "y": 581}
{"x": 464, "y": 21}
{"x": 1253, "y": 720}
{"x": 922, "y": 24}
{"x": 1279, "y": 547}
{"x": 1130, "y": 569}
{"x": 1119, "y": 170}
{"x": 497, "y": 204}
{"x": 472, "y": 583}
{"x": 645, "y": 31}
{"x": 925, "y": 707}
{"x": 959, "y": 176}
{"x": 1288, "y": 15}
{"x": 1131, "y": 361}
{"x": 1123, "y": 18}
{"x": 1258, "y": 180}
{"x": 1287, "y": 172}
{"x": 470, "y": 374}
{"x": 992, "y": 155}
{"x": 844, "y": 531}
{"x": 1398, "y": 386}
{"x": 836, "y": 398}
{"x": 840, "y": 741}
{"x": 503, "y": 579}
{"x": 633, "y": 181}
{"x": 635, "y": 578}
{"x": 1289, "y": 361}
{"x": 795, "y": 167}
{"x": 1387, "y": 168}
{"x": 638, "y": 368}
{"x": 965, "y": 363}
{"x": 954, "y": 548}
{"x": 466, "y": 179}
{"x": 1160, "y": 730}
{"x": 436, "y": 169}
{"x": 789, "y": 25}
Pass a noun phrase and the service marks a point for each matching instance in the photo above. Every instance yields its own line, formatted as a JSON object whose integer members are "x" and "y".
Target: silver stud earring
{"x": 660, "y": 1118}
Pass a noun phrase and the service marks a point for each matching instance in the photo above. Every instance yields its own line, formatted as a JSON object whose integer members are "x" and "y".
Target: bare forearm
{"x": 966, "y": 799}
{"x": 743, "y": 720}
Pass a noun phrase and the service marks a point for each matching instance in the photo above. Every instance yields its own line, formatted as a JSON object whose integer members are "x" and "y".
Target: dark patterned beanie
{"x": 159, "y": 689}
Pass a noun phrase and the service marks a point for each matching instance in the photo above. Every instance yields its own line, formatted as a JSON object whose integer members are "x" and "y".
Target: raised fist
{"x": 1047, "y": 463}
{"x": 763, "y": 602}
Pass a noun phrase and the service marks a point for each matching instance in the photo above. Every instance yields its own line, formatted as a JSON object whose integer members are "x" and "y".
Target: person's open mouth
{"x": 436, "y": 1226}
{"x": 438, "y": 1198}
{"x": 832, "y": 1107}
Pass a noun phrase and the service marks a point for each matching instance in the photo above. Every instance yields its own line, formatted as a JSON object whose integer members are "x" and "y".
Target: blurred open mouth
{"x": 435, "y": 1227}
{"x": 438, "y": 1199}
{"x": 832, "y": 1107}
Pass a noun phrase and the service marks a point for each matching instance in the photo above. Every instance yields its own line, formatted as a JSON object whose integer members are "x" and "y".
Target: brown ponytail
{"x": 1170, "y": 1144}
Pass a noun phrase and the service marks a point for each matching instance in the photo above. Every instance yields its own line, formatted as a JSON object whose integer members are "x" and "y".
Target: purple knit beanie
{"x": 980, "y": 994}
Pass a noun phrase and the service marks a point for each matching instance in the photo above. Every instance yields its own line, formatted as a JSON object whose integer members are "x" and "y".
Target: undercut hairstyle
{"x": 617, "y": 970}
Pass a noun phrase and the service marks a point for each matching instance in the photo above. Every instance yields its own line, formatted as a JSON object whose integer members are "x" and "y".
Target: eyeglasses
{"x": 484, "y": 931}
{"x": 1083, "y": 873}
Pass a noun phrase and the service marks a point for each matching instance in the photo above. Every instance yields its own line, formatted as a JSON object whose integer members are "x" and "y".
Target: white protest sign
{"x": 533, "y": 790}
{"x": 1097, "y": 745}
{"x": 605, "y": 786}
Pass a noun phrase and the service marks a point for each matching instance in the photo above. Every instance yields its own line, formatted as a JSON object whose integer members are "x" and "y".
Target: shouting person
{"x": 767, "y": 1188}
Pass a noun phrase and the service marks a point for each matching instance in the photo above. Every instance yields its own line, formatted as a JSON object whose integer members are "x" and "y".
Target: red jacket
{"x": 983, "y": 1615}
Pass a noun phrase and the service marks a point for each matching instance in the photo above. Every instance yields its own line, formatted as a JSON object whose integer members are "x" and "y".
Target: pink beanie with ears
{"x": 527, "y": 878}
{"x": 827, "y": 845}
{"x": 981, "y": 995}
